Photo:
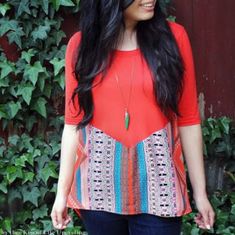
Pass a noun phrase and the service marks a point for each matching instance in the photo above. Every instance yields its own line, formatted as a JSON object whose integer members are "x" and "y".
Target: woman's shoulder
{"x": 74, "y": 39}
{"x": 72, "y": 46}
{"x": 177, "y": 29}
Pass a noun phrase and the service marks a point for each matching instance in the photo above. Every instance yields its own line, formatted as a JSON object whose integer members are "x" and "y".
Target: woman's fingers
{"x": 67, "y": 220}
{"x": 54, "y": 219}
{"x": 200, "y": 223}
{"x": 59, "y": 214}
{"x": 212, "y": 217}
{"x": 60, "y": 220}
{"x": 206, "y": 219}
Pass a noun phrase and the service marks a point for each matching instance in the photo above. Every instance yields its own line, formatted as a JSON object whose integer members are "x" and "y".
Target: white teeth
{"x": 147, "y": 5}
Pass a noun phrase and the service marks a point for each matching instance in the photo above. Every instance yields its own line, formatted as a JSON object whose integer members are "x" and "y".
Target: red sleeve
{"x": 71, "y": 110}
{"x": 188, "y": 104}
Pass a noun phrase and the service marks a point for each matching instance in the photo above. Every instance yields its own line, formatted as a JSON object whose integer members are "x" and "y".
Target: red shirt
{"x": 144, "y": 164}
{"x": 146, "y": 116}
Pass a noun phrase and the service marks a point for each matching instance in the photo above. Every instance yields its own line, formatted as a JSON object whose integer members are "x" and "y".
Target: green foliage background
{"x": 31, "y": 112}
{"x": 31, "y": 116}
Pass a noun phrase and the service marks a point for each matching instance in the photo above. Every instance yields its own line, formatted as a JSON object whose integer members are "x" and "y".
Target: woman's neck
{"x": 129, "y": 39}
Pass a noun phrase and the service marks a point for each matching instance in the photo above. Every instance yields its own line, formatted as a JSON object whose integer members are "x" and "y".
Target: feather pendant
{"x": 127, "y": 119}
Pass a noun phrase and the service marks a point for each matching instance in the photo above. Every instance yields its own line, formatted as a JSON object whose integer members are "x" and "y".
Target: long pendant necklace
{"x": 126, "y": 111}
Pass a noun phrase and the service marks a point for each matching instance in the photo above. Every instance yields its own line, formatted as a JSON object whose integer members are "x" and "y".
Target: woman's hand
{"x": 206, "y": 217}
{"x": 59, "y": 213}
{"x": 69, "y": 147}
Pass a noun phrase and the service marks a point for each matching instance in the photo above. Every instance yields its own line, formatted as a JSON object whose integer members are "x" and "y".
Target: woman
{"x": 131, "y": 104}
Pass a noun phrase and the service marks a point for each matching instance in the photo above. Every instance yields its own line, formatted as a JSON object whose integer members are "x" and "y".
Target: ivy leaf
{"x": 67, "y": 3}
{"x": 20, "y": 161}
{"x": 3, "y": 111}
{"x": 57, "y": 64}
{"x": 32, "y": 71}
{"x": 42, "y": 81}
{"x": 215, "y": 134}
{"x": 4, "y": 82}
{"x": 27, "y": 55}
{"x": 13, "y": 193}
{"x": 55, "y": 147}
{"x": 26, "y": 92}
{"x": 47, "y": 225}
{"x": 4, "y": 7}
{"x": 58, "y": 35}
{"x": 28, "y": 176}
{"x": 40, "y": 212}
{"x": 24, "y": 215}
{"x": 40, "y": 106}
{"x": 225, "y": 124}
{"x": 60, "y": 79}
{"x": 13, "y": 139}
{"x": 6, "y": 223}
{"x": 3, "y": 187}
{"x": 47, "y": 90}
{"x": 23, "y": 7}
{"x": 2, "y": 147}
{"x": 58, "y": 3}
{"x": 6, "y": 68}
{"x": 49, "y": 171}
{"x": 195, "y": 231}
{"x": 12, "y": 90}
{"x": 14, "y": 108}
{"x": 233, "y": 210}
{"x": 30, "y": 122}
{"x": 171, "y": 18}
{"x": 13, "y": 172}
{"x": 40, "y": 32}
{"x": 15, "y": 36}
{"x": 31, "y": 196}
{"x": 45, "y": 6}
{"x": 6, "y": 25}
{"x": 27, "y": 157}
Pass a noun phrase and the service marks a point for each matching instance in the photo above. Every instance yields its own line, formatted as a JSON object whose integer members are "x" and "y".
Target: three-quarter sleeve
{"x": 71, "y": 109}
{"x": 188, "y": 104}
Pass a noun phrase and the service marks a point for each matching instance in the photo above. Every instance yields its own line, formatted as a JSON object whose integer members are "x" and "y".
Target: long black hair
{"x": 101, "y": 24}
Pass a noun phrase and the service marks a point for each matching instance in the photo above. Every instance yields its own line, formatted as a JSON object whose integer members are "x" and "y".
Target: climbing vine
{"x": 32, "y": 50}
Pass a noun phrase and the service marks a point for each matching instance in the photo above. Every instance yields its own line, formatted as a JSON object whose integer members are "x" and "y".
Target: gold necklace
{"x": 126, "y": 112}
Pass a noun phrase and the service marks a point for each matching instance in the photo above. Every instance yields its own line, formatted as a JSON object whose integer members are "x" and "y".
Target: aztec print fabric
{"x": 139, "y": 170}
{"x": 147, "y": 178}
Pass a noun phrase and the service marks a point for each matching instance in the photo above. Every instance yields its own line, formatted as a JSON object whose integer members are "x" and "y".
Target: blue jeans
{"x": 108, "y": 223}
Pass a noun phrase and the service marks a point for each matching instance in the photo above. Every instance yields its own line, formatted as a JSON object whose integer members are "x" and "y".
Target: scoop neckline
{"x": 127, "y": 52}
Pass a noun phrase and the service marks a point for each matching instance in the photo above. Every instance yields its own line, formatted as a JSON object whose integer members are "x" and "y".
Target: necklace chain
{"x": 127, "y": 115}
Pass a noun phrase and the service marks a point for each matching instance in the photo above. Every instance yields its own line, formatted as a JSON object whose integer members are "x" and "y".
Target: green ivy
{"x": 219, "y": 149}
{"x": 219, "y": 137}
{"x": 224, "y": 206}
{"x": 30, "y": 86}
{"x": 31, "y": 112}
{"x": 31, "y": 116}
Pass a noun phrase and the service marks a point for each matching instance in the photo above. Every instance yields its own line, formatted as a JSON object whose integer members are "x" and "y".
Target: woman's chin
{"x": 146, "y": 16}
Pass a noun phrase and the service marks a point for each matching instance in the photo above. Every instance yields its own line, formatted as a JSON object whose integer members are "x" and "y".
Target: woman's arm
{"x": 191, "y": 138}
{"x": 70, "y": 137}
{"x": 69, "y": 145}
{"x": 192, "y": 144}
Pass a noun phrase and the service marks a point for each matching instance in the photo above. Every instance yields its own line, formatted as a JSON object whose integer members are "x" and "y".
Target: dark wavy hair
{"x": 101, "y": 24}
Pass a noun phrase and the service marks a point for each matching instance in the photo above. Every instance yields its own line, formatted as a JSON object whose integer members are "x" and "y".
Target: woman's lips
{"x": 148, "y": 6}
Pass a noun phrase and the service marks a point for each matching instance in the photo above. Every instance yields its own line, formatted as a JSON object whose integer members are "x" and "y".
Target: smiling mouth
{"x": 148, "y": 5}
